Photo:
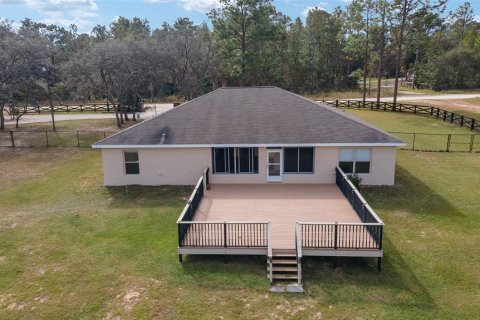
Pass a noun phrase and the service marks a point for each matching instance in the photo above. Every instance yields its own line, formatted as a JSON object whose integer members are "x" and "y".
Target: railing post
{"x": 225, "y": 234}
{"x": 335, "y": 237}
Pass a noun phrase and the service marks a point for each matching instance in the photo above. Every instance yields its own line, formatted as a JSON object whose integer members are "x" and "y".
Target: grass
{"x": 71, "y": 248}
{"x": 466, "y": 107}
{"x": 432, "y": 133}
{"x": 70, "y": 133}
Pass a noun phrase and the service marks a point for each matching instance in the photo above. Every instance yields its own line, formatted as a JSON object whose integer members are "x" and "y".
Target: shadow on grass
{"x": 357, "y": 280}
{"x": 213, "y": 271}
{"x": 147, "y": 196}
{"x": 409, "y": 195}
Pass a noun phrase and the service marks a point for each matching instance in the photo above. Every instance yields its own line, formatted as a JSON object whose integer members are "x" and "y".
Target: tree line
{"x": 244, "y": 43}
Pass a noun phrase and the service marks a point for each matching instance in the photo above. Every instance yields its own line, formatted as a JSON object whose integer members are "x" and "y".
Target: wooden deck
{"x": 282, "y": 204}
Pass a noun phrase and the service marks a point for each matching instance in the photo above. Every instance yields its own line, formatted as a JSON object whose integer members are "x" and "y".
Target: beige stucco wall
{"x": 183, "y": 166}
{"x": 382, "y": 167}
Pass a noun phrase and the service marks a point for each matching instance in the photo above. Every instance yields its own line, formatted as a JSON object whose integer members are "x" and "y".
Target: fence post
{"x": 431, "y": 111}
{"x": 336, "y": 103}
{"x": 46, "y": 137}
{"x": 438, "y": 113}
{"x": 12, "y": 140}
{"x": 461, "y": 121}
{"x": 451, "y": 117}
{"x": 448, "y": 142}
{"x": 78, "y": 141}
{"x": 444, "y": 115}
{"x": 472, "y": 138}
{"x": 414, "y": 138}
{"x": 472, "y": 126}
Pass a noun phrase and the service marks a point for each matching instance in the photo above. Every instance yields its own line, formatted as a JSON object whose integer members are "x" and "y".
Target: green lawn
{"x": 70, "y": 133}
{"x": 433, "y": 133}
{"x": 70, "y": 247}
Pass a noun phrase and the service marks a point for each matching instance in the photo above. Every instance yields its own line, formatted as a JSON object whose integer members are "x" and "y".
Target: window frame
{"x": 253, "y": 166}
{"x": 125, "y": 162}
{"x": 354, "y": 160}
{"x": 298, "y": 161}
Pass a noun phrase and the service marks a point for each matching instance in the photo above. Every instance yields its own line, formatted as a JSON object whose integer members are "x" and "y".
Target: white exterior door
{"x": 274, "y": 165}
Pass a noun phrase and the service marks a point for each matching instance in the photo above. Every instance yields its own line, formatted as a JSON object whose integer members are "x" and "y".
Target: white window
{"x": 355, "y": 160}
{"x": 132, "y": 165}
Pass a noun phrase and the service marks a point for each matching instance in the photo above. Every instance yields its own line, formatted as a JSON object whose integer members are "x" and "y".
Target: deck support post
{"x": 180, "y": 258}
{"x": 379, "y": 264}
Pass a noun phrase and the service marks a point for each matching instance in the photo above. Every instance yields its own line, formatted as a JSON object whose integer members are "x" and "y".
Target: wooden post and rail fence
{"x": 435, "y": 112}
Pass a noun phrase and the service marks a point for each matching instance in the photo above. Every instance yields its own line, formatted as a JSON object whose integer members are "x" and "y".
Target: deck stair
{"x": 284, "y": 266}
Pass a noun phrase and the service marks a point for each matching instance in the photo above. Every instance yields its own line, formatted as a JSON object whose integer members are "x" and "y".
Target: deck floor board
{"x": 282, "y": 204}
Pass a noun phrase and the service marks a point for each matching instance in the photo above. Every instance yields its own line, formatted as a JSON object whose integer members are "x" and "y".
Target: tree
{"x": 248, "y": 36}
{"x": 20, "y": 55}
{"x": 401, "y": 15}
{"x": 459, "y": 22}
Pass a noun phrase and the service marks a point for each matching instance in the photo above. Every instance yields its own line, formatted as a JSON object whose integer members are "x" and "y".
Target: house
{"x": 249, "y": 135}
{"x": 270, "y": 173}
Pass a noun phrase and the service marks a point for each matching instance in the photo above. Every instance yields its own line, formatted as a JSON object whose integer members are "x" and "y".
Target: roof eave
{"x": 279, "y": 145}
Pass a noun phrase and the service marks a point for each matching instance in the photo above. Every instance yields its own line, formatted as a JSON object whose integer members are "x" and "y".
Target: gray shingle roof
{"x": 250, "y": 116}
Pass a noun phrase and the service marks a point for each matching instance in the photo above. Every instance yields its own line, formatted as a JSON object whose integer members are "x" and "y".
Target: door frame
{"x": 278, "y": 178}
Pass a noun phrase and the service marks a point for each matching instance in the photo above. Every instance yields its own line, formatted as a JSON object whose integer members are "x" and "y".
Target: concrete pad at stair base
{"x": 293, "y": 288}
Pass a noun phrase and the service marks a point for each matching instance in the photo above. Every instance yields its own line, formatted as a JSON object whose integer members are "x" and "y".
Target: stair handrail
{"x": 298, "y": 249}
{"x": 269, "y": 251}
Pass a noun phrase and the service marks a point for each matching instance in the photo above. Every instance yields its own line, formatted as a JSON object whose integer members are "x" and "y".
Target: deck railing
{"x": 361, "y": 207}
{"x": 192, "y": 205}
{"x": 225, "y": 234}
{"x": 318, "y": 235}
{"x": 218, "y": 234}
{"x": 366, "y": 234}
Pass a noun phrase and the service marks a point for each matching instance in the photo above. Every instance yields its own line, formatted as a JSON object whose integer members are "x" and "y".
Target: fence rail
{"x": 440, "y": 142}
{"x": 95, "y": 107}
{"x": 29, "y": 139}
{"x": 435, "y": 112}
